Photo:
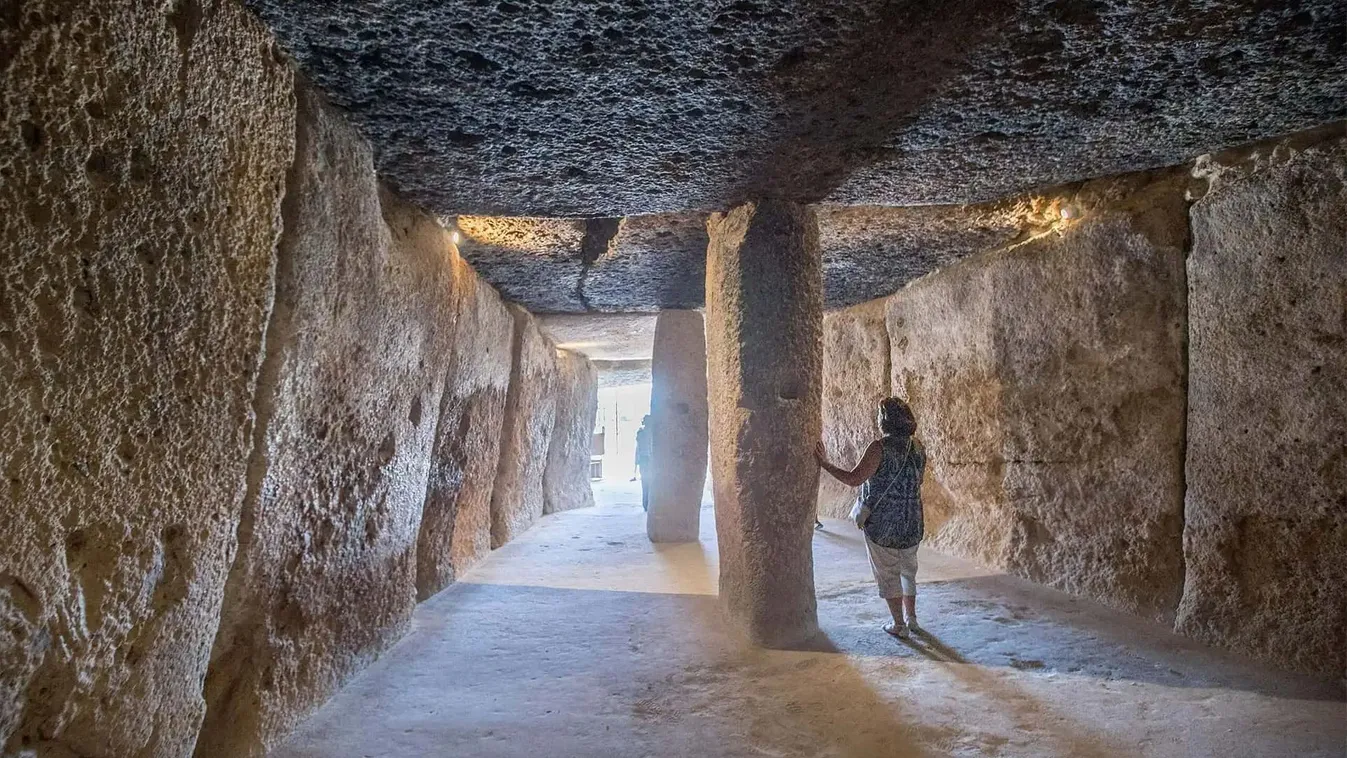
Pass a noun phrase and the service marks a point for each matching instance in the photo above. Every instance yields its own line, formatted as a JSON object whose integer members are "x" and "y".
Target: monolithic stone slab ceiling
{"x": 556, "y": 265}
{"x": 658, "y": 261}
{"x": 606, "y": 109}
{"x": 623, "y": 373}
{"x": 604, "y": 336}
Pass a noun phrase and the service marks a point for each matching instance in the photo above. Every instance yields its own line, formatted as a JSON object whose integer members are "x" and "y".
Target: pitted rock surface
{"x": 536, "y": 262}
{"x": 604, "y": 109}
{"x": 347, "y": 400}
{"x": 530, "y": 415}
{"x": 1048, "y": 385}
{"x": 855, "y": 380}
{"x": 1265, "y": 533}
{"x": 623, "y": 373}
{"x": 456, "y": 520}
{"x": 655, "y": 262}
{"x": 764, "y": 364}
{"x": 143, "y": 155}
{"x": 658, "y": 262}
{"x": 604, "y": 336}
{"x": 566, "y": 483}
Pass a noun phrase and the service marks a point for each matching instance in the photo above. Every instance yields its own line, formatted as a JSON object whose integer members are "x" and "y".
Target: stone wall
{"x": 1265, "y": 536}
{"x": 142, "y": 160}
{"x": 566, "y": 478}
{"x": 456, "y": 520}
{"x": 225, "y": 352}
{"x": 350, "y": 392}
{"x": 1048, "y": 385}
{"x": 855, "y": 379}
{"x": 530, "y": 414}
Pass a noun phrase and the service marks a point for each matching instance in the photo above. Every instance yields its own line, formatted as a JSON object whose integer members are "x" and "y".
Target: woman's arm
{"x": 865, "y": 469}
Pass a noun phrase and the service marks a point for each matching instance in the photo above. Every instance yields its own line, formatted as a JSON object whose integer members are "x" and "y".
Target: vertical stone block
{"x": 855, "y": 380}
{"x": 678, "y": 410}
{"x": 142, "y": 162}
{"x": 530, "y": 414}
{"x": 456, "y": 519}
{"x": 1048, "y": 386}
{"x": 1265, "y": 534}
{"x": 764, "y": 318}
{"x": 356, "y": 354}
{"x": 566, "y": 479}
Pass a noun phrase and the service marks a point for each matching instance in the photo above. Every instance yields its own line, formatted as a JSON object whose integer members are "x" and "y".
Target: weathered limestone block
{"x": 764, "y": 322}
{"x": 623, "y": 373}
{"x": 1265, "y": 535}
{"x": 1048, "y": 385}
{"x": 456, "y": 519}
{"x": 566, "y": 479}
{"x": 530, "y": 414}
{"x": 142, "y": 161}
{"x": 678, "y": 409}
{"x": 855, "y": 380}
{"x": 356, "y": 355}
{"x": 534, "y": 261}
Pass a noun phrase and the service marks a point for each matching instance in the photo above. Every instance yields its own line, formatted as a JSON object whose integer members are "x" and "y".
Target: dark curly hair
{"x": 895, "y": 418}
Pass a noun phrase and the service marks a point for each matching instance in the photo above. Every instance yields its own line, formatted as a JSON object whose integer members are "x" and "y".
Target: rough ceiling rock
{"x": 604, "y": 336}
{"x": 638, "y": 263}
{"x": 659, "y": 261}
{"x": 871, "y": 252}
{"x": 623, "y": 373}
{"x": 535, "y": 262}
{"x": 561, "y": 108}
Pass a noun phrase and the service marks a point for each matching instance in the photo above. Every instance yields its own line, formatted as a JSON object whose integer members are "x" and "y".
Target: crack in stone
{"x": 600, "y": 235}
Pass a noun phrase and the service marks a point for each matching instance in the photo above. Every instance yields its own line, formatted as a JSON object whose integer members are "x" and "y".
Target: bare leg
{"x": 897, "y": 628}
{"x": 910, "y": 606}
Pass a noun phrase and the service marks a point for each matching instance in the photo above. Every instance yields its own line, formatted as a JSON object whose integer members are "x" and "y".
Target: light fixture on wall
{"x": 1068, "y": 212}
{"x": 454, "y": 236}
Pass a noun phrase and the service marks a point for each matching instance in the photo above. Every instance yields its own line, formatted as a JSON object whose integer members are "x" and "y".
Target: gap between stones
{"x": 600, "y": 234}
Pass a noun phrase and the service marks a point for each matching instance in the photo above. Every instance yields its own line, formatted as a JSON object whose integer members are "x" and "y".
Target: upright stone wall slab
{"x": 530, "y": 414}
{"x": 142, "y": 160}
{"x": 764, "y": 318}
{"x": 456, "y": 520}
{"x": 678, "y": 410}
{"x": 1048, "y": 386}
{"x": 566, "y": 479}
{"x": 356, "y": 353}
{"x": 855, "y": 380}
{"x": 1265, "y": 536}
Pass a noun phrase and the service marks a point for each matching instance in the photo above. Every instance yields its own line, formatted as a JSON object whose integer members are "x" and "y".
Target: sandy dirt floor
{"x": 583, "y": 639}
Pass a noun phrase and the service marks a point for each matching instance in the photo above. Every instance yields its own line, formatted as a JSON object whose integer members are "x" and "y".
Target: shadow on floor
{"x": 989, "y": 622}
{"x": 502, "y": 670}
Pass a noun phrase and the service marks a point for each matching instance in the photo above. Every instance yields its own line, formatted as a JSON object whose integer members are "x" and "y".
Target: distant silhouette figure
{"x": 643, "y": 461}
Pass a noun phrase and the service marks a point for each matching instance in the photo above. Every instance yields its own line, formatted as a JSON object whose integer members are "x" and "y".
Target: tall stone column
{"x": 678, "y": 427}
{"x": 764, "y": 314}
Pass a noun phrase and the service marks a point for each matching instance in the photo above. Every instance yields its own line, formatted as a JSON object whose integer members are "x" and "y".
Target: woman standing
{"x": 889, "y": 508}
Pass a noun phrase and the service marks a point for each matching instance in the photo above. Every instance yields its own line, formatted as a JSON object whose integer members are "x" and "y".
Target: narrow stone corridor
{"x": 581, "y": 638}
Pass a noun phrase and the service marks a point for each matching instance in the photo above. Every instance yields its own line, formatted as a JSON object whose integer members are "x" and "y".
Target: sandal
{"x": 897, "y": 630}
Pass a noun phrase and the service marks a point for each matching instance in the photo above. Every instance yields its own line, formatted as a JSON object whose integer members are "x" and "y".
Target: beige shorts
{"x": 895, "y": 569}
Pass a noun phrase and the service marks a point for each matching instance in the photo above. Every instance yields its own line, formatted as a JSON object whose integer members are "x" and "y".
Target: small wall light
{"x": 454, "y": 236}
{"x": 1068, "y": 212}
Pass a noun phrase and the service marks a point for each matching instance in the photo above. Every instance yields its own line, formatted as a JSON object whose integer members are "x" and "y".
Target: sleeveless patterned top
{"x": 893, "y": 495}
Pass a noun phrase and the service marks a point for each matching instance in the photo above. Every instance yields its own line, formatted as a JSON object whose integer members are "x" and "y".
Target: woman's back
{"x": 893, "y": 494}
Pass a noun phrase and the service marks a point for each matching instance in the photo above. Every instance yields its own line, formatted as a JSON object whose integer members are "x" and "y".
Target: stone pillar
{"x": 764, "y": 313}
{"x": 678, "y": 420}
